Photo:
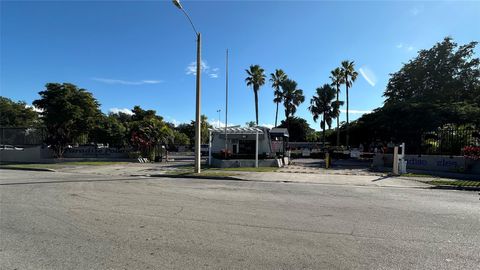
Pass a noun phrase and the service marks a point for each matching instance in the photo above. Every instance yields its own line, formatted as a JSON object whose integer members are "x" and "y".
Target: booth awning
{"x": 237, "y": 130}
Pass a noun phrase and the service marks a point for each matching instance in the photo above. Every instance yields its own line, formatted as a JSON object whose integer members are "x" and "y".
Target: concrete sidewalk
{"x": 330, "y": 179}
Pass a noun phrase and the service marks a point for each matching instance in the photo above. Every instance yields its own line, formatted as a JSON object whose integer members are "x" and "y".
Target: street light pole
{"x": 198, "y": 123}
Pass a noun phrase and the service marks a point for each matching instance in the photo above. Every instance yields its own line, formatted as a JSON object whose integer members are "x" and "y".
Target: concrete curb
{"x": 27, "y": 169}
{"x": 198, "y": 177}
{"x": 447, "y": 187}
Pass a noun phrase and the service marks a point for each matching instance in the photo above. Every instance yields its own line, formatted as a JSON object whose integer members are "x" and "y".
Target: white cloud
{"x": 406, "y": 47}
{"x": 191, "y": 69}
{"x": 267, "y": 125}
{"x": 115, "y": 81}
{"x": 124, "y": 110}
{"x": 355, "y": 111}
{"x": 416, "y": 10}
{"x": 38, "y": 110}
{"x": 215, "y": 123}
{"x": 368, "y": 75}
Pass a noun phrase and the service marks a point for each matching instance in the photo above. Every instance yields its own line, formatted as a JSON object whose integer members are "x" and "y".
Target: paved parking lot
{"x": 86, "y": 221}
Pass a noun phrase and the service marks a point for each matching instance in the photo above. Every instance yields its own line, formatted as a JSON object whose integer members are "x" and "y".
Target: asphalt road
{"x": 80, "y": 221}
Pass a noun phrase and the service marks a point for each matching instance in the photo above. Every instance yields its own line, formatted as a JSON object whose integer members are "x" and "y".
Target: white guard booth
{"x": 239, "y": 141}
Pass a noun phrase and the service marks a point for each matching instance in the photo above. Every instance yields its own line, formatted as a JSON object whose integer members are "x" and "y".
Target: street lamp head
{"x": 177, "y": 4}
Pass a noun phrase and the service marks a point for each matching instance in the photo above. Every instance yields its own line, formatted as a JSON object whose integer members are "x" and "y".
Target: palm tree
{"x": 292, "y": 97}
{"x": 323, "y": 104}
{"x": 337, "y": 80}
{"x": 277, "y": 79}
{"x": 350, "y": 75}
{"x": 256, "y": 78}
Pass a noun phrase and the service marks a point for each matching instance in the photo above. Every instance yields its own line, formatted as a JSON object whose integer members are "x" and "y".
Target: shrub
{"x": 471, "y": 152}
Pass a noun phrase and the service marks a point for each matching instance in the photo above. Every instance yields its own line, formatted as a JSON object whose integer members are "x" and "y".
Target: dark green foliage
{"x": 16, "y": 114}
{"x": 292, "y": 97}
{"x": 443, "y": 74}
{"x": 68, "y": 113}
{"x": 256, "y": 78}
{"x": 189, "y": 130}
{"x": 439, "y": 88}
{"x": 323, "y": 105}
{"x": 298, "y": 129}
{"x": 109, "y": 130}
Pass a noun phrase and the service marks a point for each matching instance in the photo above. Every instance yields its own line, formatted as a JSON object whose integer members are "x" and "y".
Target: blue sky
{"x": 139, "y": 52}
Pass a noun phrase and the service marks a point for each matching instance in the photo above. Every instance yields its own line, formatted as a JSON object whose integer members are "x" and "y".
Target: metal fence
{"x": 449, "y": 141}
{"x": 22, "y": 136}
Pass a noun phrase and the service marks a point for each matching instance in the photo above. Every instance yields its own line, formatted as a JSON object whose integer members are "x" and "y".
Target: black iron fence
{"x": 449, "y": 141}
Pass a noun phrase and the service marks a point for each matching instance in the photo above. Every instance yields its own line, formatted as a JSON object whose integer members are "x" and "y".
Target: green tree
{"x": 350, "y": 75}
{"x": 277, "y": 79}
{"x": 337, "y": 78}
{"x": 180, "y": 138}
{"x": 298, "y": 129}
{"x": 68, "y": 112}
{"x": 147, "y": 131}
{"x": 250, "y": 124}
{"x": 108, "y": 129}
{"x": 292, "y": 97}
{"x": 439, "y": 88}
{"x": 256, "y": 78}
{"x": 16, "y": 114}
{"x": 323, "y": 105}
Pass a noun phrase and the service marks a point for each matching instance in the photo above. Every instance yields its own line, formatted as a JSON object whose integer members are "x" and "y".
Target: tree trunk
{"x": 324, "y": 124}
{"x": 256, "y": 105}
{"x": 338, "y": 119}
{"x": 348, "y": 125}
{"x": 276, "y": 116}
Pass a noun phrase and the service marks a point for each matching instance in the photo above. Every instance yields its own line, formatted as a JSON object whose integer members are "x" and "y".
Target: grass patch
{"x": 456, "y": 183}
{"x": 417, "y": 175}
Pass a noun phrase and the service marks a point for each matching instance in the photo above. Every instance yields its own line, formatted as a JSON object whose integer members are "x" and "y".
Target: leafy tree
{"x": 337, "y": 78}
{"x": 180, "y": 138}
{"x": 350, "y": 75}
{"x": 445, "y": 73}
{"x": 148, "y": 130}
{"x": 16, "y": 114}
{"x": 68, "y": 112}
{"x": 292, "y": 97}
{"x": 298, "y": 129}
{"x": 256, "y": 78}
{"x": 437, "y": 89}
{"x": 109, "y": 129}
{"x": 188, "y": 130}
{"x": 323, "y": 105}
{"x": 277, "y": 79}
{"x": 250, "y": 124}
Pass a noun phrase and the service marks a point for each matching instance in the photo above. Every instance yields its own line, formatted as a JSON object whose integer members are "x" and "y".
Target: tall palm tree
{"x": 256, "y": 78}
{"x": 337, "y": 79}
{"x": 277, "y": 79}
{"x": 323, "y": 104}
{"x": 350, "y": 75}
{"x": 292, "y": 97}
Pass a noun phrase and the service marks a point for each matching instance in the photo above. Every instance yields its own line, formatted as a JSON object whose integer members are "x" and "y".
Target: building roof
{"x": 277, "y": 132}
{"x": 237, "y": 130}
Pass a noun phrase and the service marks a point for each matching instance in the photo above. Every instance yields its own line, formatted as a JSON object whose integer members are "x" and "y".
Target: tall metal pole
{"x": 226, "y": 105}
{"x": 198, "y": 123}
